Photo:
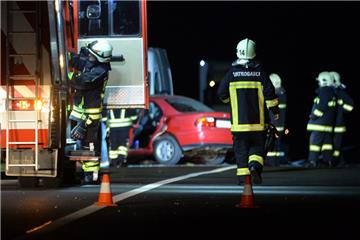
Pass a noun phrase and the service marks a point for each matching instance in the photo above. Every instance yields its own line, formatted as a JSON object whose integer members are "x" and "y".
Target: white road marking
{"x": 94, "y": 208}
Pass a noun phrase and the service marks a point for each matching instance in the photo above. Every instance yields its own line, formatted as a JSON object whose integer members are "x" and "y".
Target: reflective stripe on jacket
{"x": 322, "y": 117}
{"x": 248, "y": 89}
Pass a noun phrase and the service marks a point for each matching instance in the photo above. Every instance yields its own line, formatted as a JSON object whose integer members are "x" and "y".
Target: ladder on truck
{"x": 13, "y": 79}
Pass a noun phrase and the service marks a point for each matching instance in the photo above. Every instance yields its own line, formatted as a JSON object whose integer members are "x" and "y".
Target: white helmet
{"x": 325, "y": 79}
{"x": 246, "y": 49}
{"x": 336, "y": 79}
{"x": 101, "y": 49}
{"x": 276, "y": 80}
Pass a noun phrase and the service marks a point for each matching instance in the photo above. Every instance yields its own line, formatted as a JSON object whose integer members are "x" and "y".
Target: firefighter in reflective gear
{"x": 119, "y": 122}
{"x": 344, "y": 104}
{"x": 277, "y": 156}
{"x": 88, "y": 81}
{"x": 249, "y": 91}
{"x": 322, "y": 119}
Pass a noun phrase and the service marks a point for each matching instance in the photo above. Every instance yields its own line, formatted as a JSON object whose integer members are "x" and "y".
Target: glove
{"x": 79, "y": 131}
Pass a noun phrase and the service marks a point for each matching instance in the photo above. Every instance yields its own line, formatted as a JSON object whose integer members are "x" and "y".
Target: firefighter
{"x": 89, "y": 79}
{"x": 321, "y": 122}
{"x": 248, "y": 89}
{"x": 277, "y": 156}
{"x": 344, "y": 104}
{"x": 119, "y": 122}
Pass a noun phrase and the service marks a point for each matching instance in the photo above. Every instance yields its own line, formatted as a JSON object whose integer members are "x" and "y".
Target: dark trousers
{"x": 320, "y": 144}
{"x": 247, "y": 147}
{"x": 337, "y": 155}
{"x": 118, "y": 141}
{"x": 93, "y": 136}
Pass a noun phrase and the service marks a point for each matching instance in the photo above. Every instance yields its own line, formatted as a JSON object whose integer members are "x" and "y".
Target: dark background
{"x": 297, "y": 40}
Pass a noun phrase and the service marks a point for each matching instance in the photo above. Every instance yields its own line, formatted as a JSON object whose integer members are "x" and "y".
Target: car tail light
{"x": 205, "y": 122}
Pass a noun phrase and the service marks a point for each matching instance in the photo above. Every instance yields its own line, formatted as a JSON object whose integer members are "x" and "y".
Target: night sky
{"x": 297, "y": 40}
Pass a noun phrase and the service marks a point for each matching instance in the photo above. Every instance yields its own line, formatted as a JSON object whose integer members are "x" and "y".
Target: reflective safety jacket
{"x": 248, "y": 88}
{"x": 89, "y": 83}
{"x": 322, "y": 117}
{"x": 344, "y": 104}
{"x": 120, "y": 118}
{"x": 280, "y": 123}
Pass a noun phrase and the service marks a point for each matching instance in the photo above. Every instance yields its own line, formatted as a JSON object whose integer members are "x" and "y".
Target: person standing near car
{"x": 119, "y": 122}
{"x": 321, "y": 122}
{"x": 277, "y": 155}
{"x": 250, "y": 92}
{"x": 345, "y": 104}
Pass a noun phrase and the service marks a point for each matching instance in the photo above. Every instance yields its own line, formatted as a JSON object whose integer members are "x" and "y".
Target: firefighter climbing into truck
{"x": 37, "y": 97}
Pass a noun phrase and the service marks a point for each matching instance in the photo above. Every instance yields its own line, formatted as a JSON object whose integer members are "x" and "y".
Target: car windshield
{"x": 188, "y": 105}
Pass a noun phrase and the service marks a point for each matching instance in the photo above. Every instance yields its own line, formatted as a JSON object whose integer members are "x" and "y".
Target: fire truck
{"x": 35, "y": 98}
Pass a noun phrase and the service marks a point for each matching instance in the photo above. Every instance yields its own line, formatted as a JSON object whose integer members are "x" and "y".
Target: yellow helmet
{"x": 246, "y": 49}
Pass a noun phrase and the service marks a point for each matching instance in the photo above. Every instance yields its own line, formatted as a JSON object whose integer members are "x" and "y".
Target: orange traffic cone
{"x": 247, "y": 198}
{"x": 105, "y": 195}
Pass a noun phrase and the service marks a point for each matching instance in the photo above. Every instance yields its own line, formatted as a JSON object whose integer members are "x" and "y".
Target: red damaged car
{"x": 175, "y": 127}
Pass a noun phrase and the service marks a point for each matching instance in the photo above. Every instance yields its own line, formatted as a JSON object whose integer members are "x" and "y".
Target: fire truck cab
{"x": 35, "y": 98}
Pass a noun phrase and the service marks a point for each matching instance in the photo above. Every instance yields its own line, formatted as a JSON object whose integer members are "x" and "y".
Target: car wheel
{"x": 214, "y": 159}
{"x": 166, "y": 150}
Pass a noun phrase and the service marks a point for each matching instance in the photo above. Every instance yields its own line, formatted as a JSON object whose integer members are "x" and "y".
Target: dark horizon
{"x": 297, "y": 40}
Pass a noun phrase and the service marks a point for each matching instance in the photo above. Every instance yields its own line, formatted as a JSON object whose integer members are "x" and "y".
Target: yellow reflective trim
{"x": 282, "y": 106}
{"x": 247, "y": 127}
{"x": 123, "y": 148}
{"x": 77, "y": 115}
{"x": 319, "y": 128}
{"x": 348, "y": 107}
{"x": 78, "y": 109}
{"x": 340, "y": 129}
{"x": 234, "y": 105}
{"x": 70, "y": 75}
{"x": 122, "y": 115}
{"x": 318, "y": 113}
{"x": 95, "y": 116}
{"x": 227, "y": 100}
{"x": 332, "y": 103}
{"x": 326, "y": 147}
{"x": 275, "y": 154}
{"x": 93, "y": 110}
{"x": 317, "y": 100}
{"x": 242, "y": 171}
{"x": 133, "y": 117}
{"x": 280, "y": 129}
{"x": 340, "y": 101}
{"x": 88, "y": 122}
{"x": 236, "y": 127}
{"x": 336, "y": 153}
{"x": 256, "y": 158}
{"x": 245, "y": 84}
{"x": 315, "y": 148}
{"x": 112, "y": 115}
{"x": 272, "y": 103}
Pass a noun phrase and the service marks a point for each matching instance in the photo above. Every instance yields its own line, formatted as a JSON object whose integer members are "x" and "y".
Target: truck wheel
{"x": 28, "y": 182}
{"x": 166, "y": 150}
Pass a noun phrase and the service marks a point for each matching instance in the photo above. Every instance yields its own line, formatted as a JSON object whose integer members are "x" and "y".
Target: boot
{"x": 255, "y": 173}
